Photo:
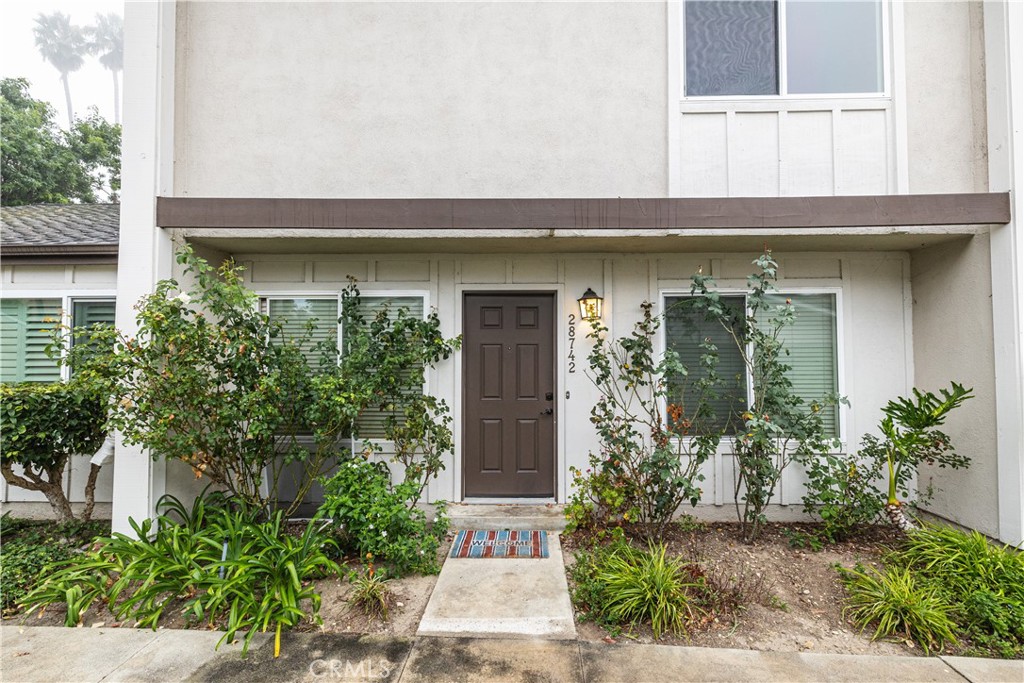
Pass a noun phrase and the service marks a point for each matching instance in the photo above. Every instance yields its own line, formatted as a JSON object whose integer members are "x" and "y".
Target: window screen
{"x": 731, "y": 47}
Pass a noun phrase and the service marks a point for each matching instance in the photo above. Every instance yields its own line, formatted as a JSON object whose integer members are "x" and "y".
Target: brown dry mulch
{"x": 795, "y": 597}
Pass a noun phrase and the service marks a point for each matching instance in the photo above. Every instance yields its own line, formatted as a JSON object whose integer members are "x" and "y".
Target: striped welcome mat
{"x": 520, "y": 544}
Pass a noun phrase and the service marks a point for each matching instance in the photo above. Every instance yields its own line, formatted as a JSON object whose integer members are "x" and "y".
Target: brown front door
{"x": 509, "y": 378}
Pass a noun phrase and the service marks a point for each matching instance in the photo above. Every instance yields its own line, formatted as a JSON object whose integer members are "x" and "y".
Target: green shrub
{"x": 898, "y": 604}
{"x": 213, "y": 562}
{"x": 651, "y": 452}
{"x": 617, "y": 585}
{"x": 31, "y": 547}
{"x": 983, "y": 582}
{"x": 382, "y": 520}
{"x": 41, "y": 427}
{"x": 841, "y": 493}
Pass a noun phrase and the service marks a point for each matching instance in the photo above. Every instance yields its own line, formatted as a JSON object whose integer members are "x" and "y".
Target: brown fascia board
{"x": 731, "y": 213}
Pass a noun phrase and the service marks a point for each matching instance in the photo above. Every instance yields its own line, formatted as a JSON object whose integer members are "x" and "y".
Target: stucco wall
{"x": 875, "y": 353}
{"x": 953, "y": 342}
{"x": 421, "y": 99}
{"x": 945, "y": 96}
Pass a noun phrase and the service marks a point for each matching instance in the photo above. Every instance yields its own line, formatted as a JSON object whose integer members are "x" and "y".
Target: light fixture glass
{"x": 590, "y": 306}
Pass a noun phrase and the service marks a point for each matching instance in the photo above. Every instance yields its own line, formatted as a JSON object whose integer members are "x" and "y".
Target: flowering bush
{"x": 649, "y": 463}
{"x": 777, "y": 426}
{"x": 380, "y": 520}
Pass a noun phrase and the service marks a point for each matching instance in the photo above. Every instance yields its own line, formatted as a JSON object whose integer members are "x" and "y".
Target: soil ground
{"x": 798, "y": 603}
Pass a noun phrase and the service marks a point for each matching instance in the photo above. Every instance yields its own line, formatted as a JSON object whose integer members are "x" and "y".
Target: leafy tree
{"x": 42, "y": 164}
{"x": 64, "y": 46}
{"x": 36, "y": 164}
{"x": 96, "y": 146}
{"x": 41, "y": 427}
{"x": 778, "y": 427}
{"x": 106, "y": 41}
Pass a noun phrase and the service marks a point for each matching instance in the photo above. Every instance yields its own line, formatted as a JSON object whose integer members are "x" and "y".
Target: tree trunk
{"x": 117, "y": 98}
{"x": 898, "y": 518}
{"x": 67, "y": 99}
{"x": 90, "y": 492}
{"x": 52, "y": 487}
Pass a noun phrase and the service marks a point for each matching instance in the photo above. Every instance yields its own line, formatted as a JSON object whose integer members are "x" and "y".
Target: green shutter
{"x": 89, "y": 313}
{"x": 813, "y": 351}
{"x": 370, "y": 424}
{"x": 295, "y": 314}
{"x": 685, "y": 330}
{"x": 25, "y": 326}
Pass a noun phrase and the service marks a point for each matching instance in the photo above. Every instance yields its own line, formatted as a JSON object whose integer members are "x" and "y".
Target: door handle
{"x": 548, "y": 411}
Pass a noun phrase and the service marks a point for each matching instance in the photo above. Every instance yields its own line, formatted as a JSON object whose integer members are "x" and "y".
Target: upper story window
{"x": 783, "y": 47}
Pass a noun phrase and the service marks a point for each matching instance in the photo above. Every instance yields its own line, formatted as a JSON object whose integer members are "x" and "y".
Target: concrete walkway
{"x": 501, "y": 597}
{"x": 53, "y": 654}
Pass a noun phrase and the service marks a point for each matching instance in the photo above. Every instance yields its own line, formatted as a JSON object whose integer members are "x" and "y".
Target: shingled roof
{"x": 59, "y": 229}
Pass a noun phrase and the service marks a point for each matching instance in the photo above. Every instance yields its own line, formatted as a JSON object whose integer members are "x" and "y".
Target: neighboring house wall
{"x": 64, "y": 282}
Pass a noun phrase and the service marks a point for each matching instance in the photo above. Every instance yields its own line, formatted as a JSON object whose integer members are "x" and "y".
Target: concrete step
{"x": 487, "y": 517}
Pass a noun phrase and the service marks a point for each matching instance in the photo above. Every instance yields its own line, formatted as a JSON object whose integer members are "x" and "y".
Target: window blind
{"x": 813, "y": 354}
{"x": 685, "y": 330}
{"x": 89, "y": 313}
{"x": 370, "y": 424}
{"x": 25, "y": 326}
{"x": 295, "y": 314}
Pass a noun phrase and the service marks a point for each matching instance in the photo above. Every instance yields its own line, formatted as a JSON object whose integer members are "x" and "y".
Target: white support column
{"x": 1004, "y": 63}
{"x": 145, "y": 253}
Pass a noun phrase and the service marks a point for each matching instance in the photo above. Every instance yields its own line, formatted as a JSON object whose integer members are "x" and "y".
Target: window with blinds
{"x": 322, "y": 314}
{"x": 25, "y": 326}
{"x": 813, "y": 351}
{"x": 85, "y": 314}
{"x": 370, "y": 424}
{"x": 298, "y": 315}
{"x": 812, "y": 343}
{"x": 685, "y": 332}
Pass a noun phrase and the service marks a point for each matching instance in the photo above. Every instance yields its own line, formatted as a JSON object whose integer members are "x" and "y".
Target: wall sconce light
{"x": 590, "y": 306}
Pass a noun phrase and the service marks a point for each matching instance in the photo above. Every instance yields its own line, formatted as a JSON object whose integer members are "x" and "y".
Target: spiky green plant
{"x": 646, "y": 586}
{"x": 897, "y": 604}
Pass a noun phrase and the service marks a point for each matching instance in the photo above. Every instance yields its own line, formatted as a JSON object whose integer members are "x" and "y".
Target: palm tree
{"x": 63, "y": 45}
{"x": 106, "y": 40}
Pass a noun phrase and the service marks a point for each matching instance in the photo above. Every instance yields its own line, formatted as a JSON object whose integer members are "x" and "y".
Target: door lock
{"x": 550, "y": 396}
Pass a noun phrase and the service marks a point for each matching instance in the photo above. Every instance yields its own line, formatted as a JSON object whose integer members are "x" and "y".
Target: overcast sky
{"x": 91, "y": 85}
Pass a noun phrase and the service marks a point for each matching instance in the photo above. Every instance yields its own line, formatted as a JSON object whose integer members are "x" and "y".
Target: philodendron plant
{"x": 911, "y": 437}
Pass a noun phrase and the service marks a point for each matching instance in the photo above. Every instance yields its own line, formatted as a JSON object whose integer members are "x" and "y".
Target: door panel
{"x": 509, "y": 384}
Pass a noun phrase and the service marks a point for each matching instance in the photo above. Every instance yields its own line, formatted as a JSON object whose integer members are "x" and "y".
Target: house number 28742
{"x": 572, "y": 343}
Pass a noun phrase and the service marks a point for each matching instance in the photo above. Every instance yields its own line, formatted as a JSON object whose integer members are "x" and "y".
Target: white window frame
{"x": 661, "y": 343}
{"x": 67, "y": 299}
{"x": 782, "y": 64}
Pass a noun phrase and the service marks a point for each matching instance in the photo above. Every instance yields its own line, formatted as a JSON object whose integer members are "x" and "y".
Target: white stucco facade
{"x": 549, "y": 99}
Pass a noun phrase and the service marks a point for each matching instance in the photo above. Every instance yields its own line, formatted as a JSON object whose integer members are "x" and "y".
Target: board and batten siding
{"x": 875, "y": 346}
{"x": 780, "y": 148}
{"x": 58, "y": 281}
